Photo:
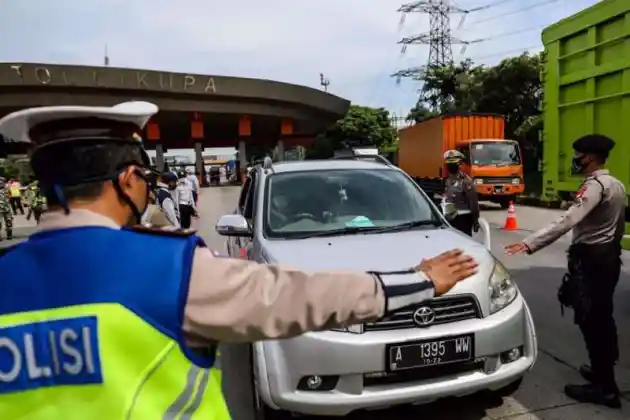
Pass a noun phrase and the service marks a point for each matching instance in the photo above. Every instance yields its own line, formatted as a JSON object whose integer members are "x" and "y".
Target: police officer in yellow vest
{"x": 102, "y": 321}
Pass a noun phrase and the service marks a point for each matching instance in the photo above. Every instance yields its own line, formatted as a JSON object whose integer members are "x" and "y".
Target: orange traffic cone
{"x": 510, "y": 221}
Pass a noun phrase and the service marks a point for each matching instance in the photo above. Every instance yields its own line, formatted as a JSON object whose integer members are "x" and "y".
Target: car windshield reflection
{"x": 344, "y": 202}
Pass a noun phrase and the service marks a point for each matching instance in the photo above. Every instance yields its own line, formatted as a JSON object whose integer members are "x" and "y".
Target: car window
{"x": 243, "y": 196}
{"x": 318, "y": 201}
{"x": 250, "y": 200}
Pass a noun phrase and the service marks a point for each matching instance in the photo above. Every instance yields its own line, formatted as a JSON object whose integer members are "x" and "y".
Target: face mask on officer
{"x": 452, "y": 168}
{"x": 580, "y": 163}
{"x": 134, "y": 183}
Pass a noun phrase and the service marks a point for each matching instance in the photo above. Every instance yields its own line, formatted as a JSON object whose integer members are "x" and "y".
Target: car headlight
{"x": 516, "y": 181}
{"x": 354, "y": 329}
{"x": 502, "y": 288}
{"x": 478, "y": 181}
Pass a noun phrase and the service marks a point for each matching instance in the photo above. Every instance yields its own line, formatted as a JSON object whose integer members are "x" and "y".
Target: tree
{"x": 362, "y": 126}
{"x": 512, "y": 88}
{"x": 421, "y": 112}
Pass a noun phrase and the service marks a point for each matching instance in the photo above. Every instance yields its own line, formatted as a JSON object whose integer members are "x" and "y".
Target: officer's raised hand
{"x": 516, "y": 248}
{"x": 447, "y": 269}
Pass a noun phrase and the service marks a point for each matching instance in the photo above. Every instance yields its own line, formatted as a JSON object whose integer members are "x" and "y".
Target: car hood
{"x": 383, "y": 252}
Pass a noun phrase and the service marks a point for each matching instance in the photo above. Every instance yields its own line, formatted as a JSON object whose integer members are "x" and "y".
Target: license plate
{"x": 441, "y": 351}
{"x": 498, "y": 189}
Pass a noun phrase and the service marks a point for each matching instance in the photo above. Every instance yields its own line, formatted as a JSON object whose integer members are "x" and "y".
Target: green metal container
{"x": 587, "y": 90}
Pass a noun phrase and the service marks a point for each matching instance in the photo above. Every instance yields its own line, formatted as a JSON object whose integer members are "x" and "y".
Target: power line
{"x": 520, "y": 50}
{"x": 505, "y": 34}
{"x": 513, "y": 12}
{"x": 439, "y": 37}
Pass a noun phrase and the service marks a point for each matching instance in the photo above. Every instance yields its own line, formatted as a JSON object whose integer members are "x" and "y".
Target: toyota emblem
{"x": 424, "y": 316}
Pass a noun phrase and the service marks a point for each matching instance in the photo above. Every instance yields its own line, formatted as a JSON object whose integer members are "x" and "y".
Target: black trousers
{"x": 185, "y": 215}
{"x": 16, "y": 204}
{"x": 597, "y": 268}
{"x": 464, "y": 223}
{"x": 195, "y": 196}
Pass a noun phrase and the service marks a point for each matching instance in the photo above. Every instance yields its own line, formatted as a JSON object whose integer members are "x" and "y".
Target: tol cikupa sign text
{"x": 105, "y": 77}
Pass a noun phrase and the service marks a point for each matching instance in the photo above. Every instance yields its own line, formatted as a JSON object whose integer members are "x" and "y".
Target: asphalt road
{"x": 539, "y": 398}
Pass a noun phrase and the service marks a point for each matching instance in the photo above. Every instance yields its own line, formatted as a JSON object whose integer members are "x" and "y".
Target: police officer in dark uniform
{"x": 597, "y": 218}
{"x": 460, "y": 190}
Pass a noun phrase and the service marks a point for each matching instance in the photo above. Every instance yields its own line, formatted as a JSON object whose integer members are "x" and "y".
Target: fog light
{"x": 314, "y": 382}
{"x": 318, "y": 383}
{"x": 511, "y": 356}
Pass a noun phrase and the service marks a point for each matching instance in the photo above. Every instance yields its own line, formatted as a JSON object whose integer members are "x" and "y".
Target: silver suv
{"x": 361, "y": 215}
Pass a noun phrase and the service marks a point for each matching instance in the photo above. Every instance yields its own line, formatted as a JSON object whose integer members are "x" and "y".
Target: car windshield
{"x": 348, "y": 201}
{"x": 495, "y": 153}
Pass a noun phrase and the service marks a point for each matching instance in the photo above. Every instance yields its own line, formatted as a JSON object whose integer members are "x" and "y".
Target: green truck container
{"x": 587, "y": 90}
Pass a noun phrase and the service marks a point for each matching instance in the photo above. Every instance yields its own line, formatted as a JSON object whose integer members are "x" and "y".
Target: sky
{"x": 354, "y": 43}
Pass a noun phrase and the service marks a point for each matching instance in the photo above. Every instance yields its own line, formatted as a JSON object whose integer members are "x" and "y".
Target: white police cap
{"x": 453, "y": 156}
{"x": 17, "y": 125}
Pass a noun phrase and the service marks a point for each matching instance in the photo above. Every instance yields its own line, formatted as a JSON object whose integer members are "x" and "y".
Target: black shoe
{"x": 587, "y": 373}
{"x": 590, "y": 393}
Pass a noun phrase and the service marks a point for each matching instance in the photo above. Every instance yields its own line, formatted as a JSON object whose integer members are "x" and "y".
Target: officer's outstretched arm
{"x": 233, "y": 300}
{"x": 586, "y": 199}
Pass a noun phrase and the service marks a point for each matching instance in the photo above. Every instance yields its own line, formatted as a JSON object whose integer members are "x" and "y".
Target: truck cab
{"x": 496, "y": 167}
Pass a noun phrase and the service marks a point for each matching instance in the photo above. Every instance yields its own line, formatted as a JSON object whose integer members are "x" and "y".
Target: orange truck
{"x": 492, "y": 161}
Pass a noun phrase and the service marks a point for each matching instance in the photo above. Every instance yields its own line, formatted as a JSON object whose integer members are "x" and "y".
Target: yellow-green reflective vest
{"x": 84, "y": 334}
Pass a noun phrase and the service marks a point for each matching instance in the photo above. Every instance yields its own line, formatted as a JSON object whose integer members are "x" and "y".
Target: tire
{"x": 260, "y": 409}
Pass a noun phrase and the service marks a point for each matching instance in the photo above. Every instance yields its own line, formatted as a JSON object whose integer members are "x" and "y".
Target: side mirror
{"x": 449, "y": 210}
{"x": 233, "y": 225}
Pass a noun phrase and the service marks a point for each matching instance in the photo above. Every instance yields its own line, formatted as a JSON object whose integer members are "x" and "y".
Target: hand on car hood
{"x": 373, "y": 252}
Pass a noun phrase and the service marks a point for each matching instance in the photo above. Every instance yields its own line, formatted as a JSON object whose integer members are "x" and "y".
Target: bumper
{"x": 499, "y": 190}
{"x": 280, "y": 365}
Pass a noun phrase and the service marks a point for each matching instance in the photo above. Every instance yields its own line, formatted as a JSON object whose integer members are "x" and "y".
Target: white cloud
{"x": 353, "y": 42}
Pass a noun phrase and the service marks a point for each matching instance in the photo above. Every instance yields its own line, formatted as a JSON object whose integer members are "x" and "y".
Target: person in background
{"x": 185, "y": 202}
{"x": 460, "y": 190}
{"x": 194, "y": 181}
{"x": 6, "y": 215}
{"x": 36, "y": 201}
{"x": 597, "y": 219}
{"x": 15, "y": 193}
{"x": 166, "y": 214}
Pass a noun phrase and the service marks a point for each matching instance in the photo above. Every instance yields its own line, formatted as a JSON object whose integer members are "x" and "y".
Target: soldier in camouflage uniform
{"x": 36, "y": 201}
{"x": 6, "y": 213}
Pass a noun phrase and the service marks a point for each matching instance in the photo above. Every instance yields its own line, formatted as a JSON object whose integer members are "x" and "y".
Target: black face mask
{"x": 452, "y": 168}
{"x": 578, "y": 165}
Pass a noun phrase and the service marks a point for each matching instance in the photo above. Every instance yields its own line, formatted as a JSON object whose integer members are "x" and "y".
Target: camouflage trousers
{"x": 7, "y": 218}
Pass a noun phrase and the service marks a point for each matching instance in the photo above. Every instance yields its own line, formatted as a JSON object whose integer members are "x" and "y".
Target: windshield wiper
{"x": 408, "y": 225}
{"x": 353, "y": 230}
{"x": 348, "y": 230}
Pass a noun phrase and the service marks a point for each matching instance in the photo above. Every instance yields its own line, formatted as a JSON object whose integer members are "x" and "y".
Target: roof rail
{"x": 267, "y": 164}
{"x": 365, "y": 153}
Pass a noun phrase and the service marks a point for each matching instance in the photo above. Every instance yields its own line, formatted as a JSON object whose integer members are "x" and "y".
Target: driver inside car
{"x": 279, "y": 211}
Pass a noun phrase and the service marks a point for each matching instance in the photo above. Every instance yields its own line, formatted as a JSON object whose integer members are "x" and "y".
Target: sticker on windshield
{"x": 360, "y": 221}
{"x": 478, "y": 146}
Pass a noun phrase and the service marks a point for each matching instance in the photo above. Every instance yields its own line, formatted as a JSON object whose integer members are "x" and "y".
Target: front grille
{"x": 447, "y": 310}
{"x": 497, "y": 180}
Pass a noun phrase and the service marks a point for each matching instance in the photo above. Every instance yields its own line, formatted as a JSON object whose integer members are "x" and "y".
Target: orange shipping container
{"x": 421, "y": 147}
{"x": 492, "y": 161}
